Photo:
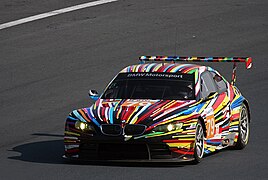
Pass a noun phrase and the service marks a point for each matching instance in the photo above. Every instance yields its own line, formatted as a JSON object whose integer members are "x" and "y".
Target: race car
{"x": 161, "y": 110}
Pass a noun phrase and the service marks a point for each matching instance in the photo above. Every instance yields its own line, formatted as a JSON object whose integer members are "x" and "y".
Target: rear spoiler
{"x": 246, "y": 60}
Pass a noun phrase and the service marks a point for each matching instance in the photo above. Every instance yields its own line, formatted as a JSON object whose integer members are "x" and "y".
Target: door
{"x": 217, "y": 110}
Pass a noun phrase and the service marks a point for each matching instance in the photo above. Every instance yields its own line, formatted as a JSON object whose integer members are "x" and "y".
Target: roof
{"x": 163, "y": 67}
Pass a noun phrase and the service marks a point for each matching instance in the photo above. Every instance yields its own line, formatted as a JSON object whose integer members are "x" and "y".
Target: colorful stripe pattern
{"x": 225, "y": 109}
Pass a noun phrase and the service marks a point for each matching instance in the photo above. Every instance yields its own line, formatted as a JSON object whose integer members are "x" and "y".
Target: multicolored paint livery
{"x": 161, "y": 129}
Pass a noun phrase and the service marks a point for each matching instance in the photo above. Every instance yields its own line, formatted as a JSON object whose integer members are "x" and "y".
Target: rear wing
{"x": 246, "y": 60}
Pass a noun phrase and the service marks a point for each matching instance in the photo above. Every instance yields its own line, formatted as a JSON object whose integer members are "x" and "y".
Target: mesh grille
{"x": 111, "y": 129}
{"x": 123, "y": 151}
{"x": 116, "y": 129}
{"x": 134, "y": 129}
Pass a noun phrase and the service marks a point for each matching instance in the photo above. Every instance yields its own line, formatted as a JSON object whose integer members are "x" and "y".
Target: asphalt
{"x": 47, "y": 67}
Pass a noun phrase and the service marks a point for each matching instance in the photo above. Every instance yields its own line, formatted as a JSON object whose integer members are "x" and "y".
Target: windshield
{"x": 151, "y": 86}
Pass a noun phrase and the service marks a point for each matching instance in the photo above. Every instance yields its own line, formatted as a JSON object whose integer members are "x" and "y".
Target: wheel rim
{"x": 244, "y": 126}
{"x": 199, "y": 141}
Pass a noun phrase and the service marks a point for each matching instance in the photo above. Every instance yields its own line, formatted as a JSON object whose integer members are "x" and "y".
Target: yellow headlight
{"x": 170, "y": 127}
{"x": 82, "y": 126}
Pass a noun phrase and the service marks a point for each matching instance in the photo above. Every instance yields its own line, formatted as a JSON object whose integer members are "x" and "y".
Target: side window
{"x": 221, "y": 85}
{"x": 207, "y": 84}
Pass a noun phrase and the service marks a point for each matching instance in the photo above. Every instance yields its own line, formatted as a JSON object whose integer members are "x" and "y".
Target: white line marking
{"x": 54, "y": 13}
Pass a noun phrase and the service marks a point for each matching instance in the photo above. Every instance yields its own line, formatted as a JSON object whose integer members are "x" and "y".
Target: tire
{"x": 199, "y": 143}
{"x": 243, "y": 135}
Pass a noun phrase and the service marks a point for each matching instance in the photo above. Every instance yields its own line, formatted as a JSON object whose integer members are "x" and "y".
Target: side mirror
{"x": 93, "y": 94}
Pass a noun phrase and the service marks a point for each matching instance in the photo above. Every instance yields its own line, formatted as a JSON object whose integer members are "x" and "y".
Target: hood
{"x": 136, "y": 111}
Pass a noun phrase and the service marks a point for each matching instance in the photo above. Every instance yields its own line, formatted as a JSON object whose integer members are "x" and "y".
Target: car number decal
{"x": 210, "y": 126}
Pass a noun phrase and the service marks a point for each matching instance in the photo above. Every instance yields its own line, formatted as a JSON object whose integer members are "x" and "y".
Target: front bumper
{"x": 106, "y": 148}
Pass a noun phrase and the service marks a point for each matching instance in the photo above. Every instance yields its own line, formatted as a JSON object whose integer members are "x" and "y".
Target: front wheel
{"x": 243, "y": 136}
{"x": 199, "y": 143}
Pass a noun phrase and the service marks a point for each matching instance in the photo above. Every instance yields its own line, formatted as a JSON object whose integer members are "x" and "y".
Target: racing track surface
{"x": 47, "y": 67}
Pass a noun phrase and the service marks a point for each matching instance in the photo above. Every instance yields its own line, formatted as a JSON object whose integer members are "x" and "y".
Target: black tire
{"x": 199, "y": 143}
{"x": 243, "y": 135}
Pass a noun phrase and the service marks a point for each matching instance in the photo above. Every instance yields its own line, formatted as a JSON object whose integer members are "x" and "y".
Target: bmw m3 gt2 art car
{"x": 161, "y": 110}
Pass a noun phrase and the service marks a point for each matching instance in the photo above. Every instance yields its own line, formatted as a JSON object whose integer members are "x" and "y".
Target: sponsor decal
{"x": 161, "y": 75}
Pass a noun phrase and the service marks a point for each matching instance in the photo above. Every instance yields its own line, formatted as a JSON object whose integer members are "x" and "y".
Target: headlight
{"x": 83, "y": 126}
{"x": 168, "y": 127}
